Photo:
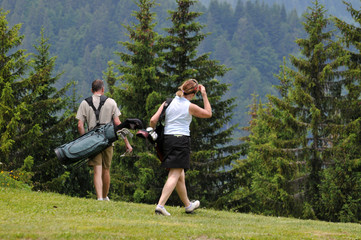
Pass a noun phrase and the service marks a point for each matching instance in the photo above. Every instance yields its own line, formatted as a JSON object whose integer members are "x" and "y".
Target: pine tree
{"x": 141, "y": 91}
{"x": 341, "y": 186}
{"x": 316, "y": 95}
{"x": 43, "y": 101}
{"x": 211, "y": 150}
{"x": 290, "y": 156}
{"x": 44, "y": 122}
{"x": 13, "y": 66}
{"x": 141, "y": 80}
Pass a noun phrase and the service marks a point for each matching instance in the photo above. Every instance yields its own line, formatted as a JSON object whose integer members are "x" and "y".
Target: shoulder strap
{"x": 89, "y": 100}
{"x": 166, "y": 104}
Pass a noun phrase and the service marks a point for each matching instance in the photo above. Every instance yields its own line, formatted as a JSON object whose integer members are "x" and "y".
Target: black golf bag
{"x": 157, "y": 141}
{"x": 94, "y": 141}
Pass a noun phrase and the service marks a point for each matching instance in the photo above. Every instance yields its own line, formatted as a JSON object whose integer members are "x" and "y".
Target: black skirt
{"x": 176, "y": 150}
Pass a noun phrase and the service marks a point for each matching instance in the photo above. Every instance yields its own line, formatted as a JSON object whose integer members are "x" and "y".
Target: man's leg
{"x": 106, "y": 182}
{"x": 182, "y": 190}
{"x": 98, "y": 182}
{"x": 107, "y": 156}
{"x": 173, "y": 177}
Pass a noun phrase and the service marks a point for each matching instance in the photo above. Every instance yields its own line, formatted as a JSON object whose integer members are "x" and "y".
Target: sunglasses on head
{"x": 196, "y": 87}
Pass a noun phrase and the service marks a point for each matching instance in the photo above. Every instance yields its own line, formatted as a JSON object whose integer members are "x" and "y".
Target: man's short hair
{"x": 97, "y": 85}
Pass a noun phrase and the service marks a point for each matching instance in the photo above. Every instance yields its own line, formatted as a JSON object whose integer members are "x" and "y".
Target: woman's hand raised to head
{"x": 197, "y": 111}
{"x": 202, "y": 89}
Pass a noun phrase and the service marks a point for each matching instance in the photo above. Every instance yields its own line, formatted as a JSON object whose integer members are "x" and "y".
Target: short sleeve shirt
{"x": 108, "y": 111}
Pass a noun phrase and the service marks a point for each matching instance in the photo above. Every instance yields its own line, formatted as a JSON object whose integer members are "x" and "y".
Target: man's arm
{"x": 127, "y": 144}
{"x": 81, "y": 128}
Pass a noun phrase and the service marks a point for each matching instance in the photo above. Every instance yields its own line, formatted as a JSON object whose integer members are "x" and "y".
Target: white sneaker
{"x": 193, "y": 206}
{"x": 161, "y": 210}
{"x": 106, "y": 199}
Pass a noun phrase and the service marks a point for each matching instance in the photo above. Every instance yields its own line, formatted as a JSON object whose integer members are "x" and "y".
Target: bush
{"x": 12, "y": 180}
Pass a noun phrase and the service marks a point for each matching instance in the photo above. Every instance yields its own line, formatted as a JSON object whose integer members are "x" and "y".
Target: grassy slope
{"x": 36, "y": 215}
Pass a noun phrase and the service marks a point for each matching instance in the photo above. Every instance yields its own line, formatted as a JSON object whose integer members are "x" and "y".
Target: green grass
{"x": 36, "y": 215}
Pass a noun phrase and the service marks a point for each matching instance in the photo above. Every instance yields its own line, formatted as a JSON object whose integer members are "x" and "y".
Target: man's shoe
{"x": 193, "y": 206}
{"x": 161, "y": 210}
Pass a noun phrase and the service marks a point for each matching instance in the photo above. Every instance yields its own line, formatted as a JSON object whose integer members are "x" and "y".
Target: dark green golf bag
{"x": 93, "y": 142}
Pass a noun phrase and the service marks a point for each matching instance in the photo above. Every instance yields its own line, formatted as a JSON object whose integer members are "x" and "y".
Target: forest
{"x": 280, "y": 141}
{"x": 250, "y": 46}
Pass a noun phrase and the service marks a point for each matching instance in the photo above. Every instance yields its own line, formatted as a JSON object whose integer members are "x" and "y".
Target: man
{"x": 108, "y": 112}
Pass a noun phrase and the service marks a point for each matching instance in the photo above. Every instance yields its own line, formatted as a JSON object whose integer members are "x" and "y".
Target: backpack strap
{"x": 89, "y": 100}
{"x": 166, "y": 104}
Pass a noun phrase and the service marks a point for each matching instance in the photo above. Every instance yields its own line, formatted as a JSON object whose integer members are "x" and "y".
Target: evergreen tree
{"x": 44, "y": 102}
{"x": 238, "y": 13}
{"x": 289, "y": 158}
{"x": 340, "y": 188}
{"x": 13, "y": 66}
{"x": 46, "y": 125}
{"x": 29, "y": 104}
{"x": 140, "y": 92}
{"x": 211, "y": 149}
{"x": 316, "y": 95}
{"x": 140, "y": 65}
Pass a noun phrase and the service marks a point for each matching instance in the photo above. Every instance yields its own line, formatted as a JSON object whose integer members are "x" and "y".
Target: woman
{"x": 178, "y": 117}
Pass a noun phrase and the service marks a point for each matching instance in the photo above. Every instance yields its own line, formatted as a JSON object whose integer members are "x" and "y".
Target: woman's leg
{"x": 173, "y": 177}
{"x": 182, "y": 190}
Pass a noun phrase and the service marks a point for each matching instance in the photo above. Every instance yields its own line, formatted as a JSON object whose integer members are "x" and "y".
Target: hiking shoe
{"x": 193, "y": 206}
{"x": 161, "y": 210}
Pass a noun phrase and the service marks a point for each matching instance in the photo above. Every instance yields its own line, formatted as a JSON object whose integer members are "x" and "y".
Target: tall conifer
{"x": 13, "y": 66}
{"x": 211, "y": 149}
{"x": 341, "y": 186}
{"x": 298, "y": 144}
{"x": 139, "y": 93}
{"x": 140, "y": 79}
{"x": 43, "y": 121}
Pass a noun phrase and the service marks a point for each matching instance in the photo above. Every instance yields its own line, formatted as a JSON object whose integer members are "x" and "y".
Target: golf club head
{"x": 142, "y": 134}
{"x": 130, "y": 123}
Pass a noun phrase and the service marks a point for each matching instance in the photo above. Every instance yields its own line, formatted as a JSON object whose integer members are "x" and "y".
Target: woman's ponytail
{"x": 188, "y": 87}
{"x": 180, "y": 92}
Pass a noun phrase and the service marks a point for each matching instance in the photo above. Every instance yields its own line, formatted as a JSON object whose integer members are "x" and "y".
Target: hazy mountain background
{"x": 250, "y": 37}
{"x": 335, "y": 7}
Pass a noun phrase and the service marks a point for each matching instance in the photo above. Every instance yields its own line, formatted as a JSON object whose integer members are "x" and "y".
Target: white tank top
{"x": 177, "y": 117}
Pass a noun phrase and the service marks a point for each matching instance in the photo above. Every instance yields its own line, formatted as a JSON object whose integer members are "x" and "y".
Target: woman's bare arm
{"x": 199, "y": 112}
{"x": 154, "y": 119}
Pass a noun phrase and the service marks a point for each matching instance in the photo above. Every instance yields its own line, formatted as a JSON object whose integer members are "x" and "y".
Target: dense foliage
{"x": 251, "y": 39}
{"x": 35, "y": 117}
{"x": 334, "y": 7}
{"x": 302, "y": 145}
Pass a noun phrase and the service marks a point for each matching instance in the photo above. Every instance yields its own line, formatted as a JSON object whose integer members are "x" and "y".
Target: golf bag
{"x": 156, "y": 136}
{"x": 94, "y": 141}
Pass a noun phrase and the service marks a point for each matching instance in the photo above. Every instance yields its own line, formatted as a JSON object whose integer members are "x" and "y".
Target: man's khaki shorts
{"x": 104, "y": 158}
